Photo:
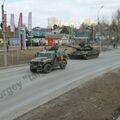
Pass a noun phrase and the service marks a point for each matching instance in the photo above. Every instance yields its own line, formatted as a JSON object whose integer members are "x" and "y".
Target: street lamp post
{"x": 99, "y": 12}
{"x": 92, "y": 30}
{"x": 4, "y": 38}
{"x": 99, "y": 26}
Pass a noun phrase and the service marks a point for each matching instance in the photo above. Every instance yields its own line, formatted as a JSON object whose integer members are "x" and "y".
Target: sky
{"x": 65, "y": 10}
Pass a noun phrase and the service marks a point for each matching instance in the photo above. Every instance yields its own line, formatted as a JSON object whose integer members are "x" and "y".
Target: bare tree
{"x": 115, "y": 26}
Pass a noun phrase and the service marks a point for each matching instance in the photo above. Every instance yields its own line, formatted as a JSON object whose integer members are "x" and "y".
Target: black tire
{"x": 85, "y": 57}
{"x": 63, "y": 65}
{"x": 98, "y": 54}
{"x": 47, "y": 68}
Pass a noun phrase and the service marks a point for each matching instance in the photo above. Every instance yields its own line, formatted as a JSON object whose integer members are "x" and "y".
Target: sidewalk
{"x": 98, "y": 99}
{"x": 118, "y": 118}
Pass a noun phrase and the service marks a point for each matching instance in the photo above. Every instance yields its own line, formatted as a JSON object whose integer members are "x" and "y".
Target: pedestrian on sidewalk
{"x": 114, "y": 42}
{"x": 7, "y": 45}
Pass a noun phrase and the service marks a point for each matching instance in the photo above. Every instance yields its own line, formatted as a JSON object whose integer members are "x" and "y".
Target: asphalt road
{"x": 20, "y": 90}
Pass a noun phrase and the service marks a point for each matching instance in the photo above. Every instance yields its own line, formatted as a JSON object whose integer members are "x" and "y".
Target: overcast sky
{"x": 65, "y": 10}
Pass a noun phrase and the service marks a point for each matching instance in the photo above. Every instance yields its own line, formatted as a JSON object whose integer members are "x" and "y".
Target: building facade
{"x": 53, "y": 21}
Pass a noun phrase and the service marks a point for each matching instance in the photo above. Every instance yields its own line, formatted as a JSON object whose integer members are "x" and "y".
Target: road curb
{"x": 13, "y": 66}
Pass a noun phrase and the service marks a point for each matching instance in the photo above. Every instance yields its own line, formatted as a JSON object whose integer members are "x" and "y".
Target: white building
{"x": 73, "y": 23}
{"x": 52, "y": 21}
{"x": 89, "y": 21}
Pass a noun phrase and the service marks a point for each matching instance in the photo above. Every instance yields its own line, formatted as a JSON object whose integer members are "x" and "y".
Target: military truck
{"x": 46, "y": 61}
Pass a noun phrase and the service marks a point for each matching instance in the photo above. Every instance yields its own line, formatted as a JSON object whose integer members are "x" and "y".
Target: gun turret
{"x": 82, "y": 47}
{"x": 73, "y": 47}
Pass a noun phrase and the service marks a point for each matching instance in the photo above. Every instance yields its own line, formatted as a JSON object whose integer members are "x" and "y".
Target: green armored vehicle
{"x": 83, "y": 52}
{"x": 46, "y": 61}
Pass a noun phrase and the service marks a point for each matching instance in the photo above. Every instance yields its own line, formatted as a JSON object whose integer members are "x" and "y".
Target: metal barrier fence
{"x": 16, "y": 57}
{"x": 1, "y": 60}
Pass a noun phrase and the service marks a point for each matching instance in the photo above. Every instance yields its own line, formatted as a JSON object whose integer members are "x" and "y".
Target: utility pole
{"x": 92, "y": 33}
{"x": 91, "y": 28}
{"x": 99, "y": 33}
{"x": 4, "y": 36}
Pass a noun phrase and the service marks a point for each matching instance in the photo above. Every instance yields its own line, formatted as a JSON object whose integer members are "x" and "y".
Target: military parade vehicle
{"x": 84, "y": 51}
{"x": 48, "y": 60}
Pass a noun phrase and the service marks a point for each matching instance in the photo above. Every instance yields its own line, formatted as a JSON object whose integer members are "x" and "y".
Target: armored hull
{"x": 83, "y": 52}
{"x": 72, "y": 56}
{"x": 85, "y": 56}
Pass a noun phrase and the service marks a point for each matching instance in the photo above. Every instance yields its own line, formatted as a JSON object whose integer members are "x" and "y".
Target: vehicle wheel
{"x": 85, "y": 57}
{"x": 47, "y": 68}
{"x": 98, "y": 55}
{"x": 63, "y": 65}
